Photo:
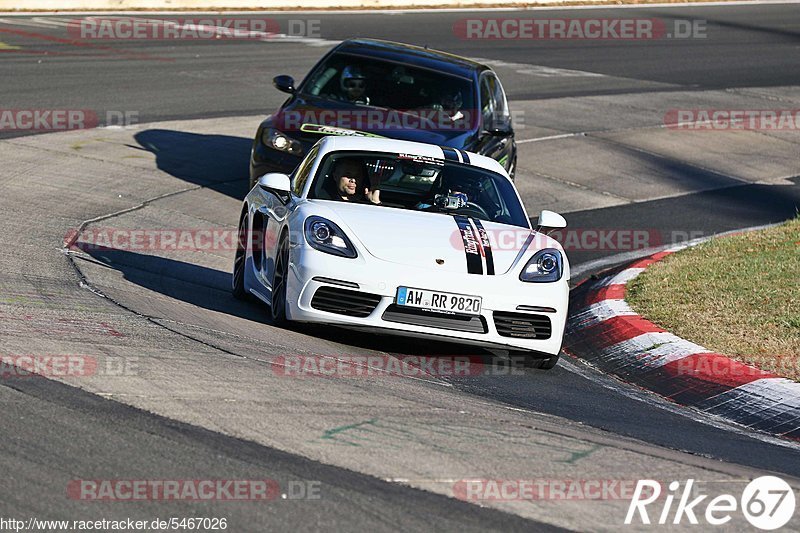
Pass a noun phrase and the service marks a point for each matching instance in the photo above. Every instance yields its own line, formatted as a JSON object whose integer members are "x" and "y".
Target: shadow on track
{"x": 208, "y": 288}
{"x": 700, "y": 214}
{"x": 219, "y": 162}
{"x": 559, "y": 392}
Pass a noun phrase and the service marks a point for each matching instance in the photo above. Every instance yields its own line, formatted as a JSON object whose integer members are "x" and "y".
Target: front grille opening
{"x": 522, "y": 325}
{"x": 420, "y": 317}
{"x": 345, "y": 302}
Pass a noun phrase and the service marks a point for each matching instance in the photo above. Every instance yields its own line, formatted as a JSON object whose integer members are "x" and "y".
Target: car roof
{"x": 412, "y": 55}
{"x": 370, "y": 144}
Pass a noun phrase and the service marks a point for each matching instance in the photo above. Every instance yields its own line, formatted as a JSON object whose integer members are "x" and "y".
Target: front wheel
{"x": 279, "y": 281}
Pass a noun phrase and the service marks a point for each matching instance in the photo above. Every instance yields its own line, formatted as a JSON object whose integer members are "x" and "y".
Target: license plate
{"x": 443, "y": 302}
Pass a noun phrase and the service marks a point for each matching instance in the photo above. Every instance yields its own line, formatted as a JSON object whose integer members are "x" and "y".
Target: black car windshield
{"x": 418, "y": 183}
{"x": 366, "y": 81}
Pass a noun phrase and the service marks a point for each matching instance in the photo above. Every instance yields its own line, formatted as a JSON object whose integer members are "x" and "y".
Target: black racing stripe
{"x": 471, "y": 249}
{"x": 487, "y": 246}
{"x": 450, "y": 154}
{"x": 464, "y": 156}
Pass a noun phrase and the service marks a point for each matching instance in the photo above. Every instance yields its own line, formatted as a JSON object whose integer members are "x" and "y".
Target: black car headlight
{"x": 278, "y": 140}
{"x": 327, "y": 237}
{"x": 545, "y": 266}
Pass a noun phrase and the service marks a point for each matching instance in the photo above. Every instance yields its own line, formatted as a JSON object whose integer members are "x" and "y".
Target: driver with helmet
{"x": 353, "y": 84}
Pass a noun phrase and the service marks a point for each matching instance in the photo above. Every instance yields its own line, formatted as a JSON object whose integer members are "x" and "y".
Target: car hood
{"x": 312, "y": 110}
{"x": 428, "y": 240}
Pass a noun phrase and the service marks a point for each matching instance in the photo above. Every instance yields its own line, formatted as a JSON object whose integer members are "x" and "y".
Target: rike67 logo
{"x": 767, "y": 502}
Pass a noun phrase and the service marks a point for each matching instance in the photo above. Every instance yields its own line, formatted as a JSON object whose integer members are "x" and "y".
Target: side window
{"x": 486, "y": 101}
{"x": 303, "y": 171}
{"x": 498, "y": 98}
{"x": 495, "y": 107}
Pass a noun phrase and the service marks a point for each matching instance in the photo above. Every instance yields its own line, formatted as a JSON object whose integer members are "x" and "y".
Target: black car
{"x": 387, "y": 89}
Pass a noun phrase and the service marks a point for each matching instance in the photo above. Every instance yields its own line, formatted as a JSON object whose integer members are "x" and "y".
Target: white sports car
{"x": 405, "y": 238}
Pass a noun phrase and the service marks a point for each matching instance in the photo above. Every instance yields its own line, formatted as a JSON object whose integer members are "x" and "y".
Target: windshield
{"x": 360, "y": 80}
{"x": 419, "y": 183}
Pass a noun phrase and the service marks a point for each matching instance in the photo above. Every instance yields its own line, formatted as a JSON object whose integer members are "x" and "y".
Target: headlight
{"x": 273, "y": 138}
{"x": 327, "y": 237}
{"x": 545, "y": 266}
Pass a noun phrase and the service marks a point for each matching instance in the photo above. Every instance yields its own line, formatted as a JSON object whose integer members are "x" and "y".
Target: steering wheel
{"x": 476, "y": 208}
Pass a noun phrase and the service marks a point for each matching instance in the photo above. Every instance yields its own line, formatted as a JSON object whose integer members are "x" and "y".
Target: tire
{"x": 238, "y": 288}
{"x": 279, "y": 281}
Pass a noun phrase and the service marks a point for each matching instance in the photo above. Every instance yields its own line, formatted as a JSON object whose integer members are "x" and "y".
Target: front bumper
{"x": 311, "y": 270}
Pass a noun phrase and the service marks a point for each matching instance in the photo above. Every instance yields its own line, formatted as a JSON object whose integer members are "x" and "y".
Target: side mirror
{"x": 278, "y": 184}
{"x": 284, "y": 83}
{"x": 550, "y": 220}
{"x": 498, "y": 126}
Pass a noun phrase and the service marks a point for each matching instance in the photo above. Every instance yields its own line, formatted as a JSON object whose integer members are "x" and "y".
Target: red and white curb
{"x": 604, "y": 330}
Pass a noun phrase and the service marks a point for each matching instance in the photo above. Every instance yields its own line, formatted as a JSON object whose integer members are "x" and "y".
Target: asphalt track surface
{"x": 51, "y": 424}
